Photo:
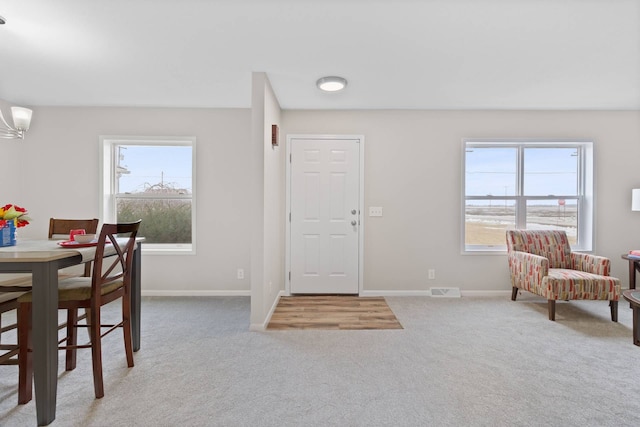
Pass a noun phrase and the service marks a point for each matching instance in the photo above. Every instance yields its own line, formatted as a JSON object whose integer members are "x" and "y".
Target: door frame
{"x": 360, "y": 139}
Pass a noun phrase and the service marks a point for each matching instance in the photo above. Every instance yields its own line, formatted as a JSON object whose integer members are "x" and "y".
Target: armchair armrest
{"x": 527, "y": 270}
{"x": 590, "y": 263}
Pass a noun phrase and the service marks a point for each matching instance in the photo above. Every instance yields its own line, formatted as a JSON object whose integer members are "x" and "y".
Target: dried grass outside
{"x": 487, "y": 226}
{"x": 478, "y": 233}
{"x": 486, "y": 234}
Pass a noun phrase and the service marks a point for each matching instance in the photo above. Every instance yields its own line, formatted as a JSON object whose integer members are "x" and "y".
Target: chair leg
{"x": 552, "y": 309}
{"x": 614, "y": 310}
{"x": 96, "y": 352}
{"x": 126, "y": 329}
{"x": 514, "y": 293}
{"x": 72, "y": 338}
{"x": 25, "y": 359}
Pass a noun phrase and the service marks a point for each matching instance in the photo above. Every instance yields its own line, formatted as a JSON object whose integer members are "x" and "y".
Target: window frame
{"x": 108, "y": 185}
{"x": 585, "y": 192}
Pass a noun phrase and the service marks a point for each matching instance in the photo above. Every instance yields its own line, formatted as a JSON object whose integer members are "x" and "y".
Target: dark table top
{"x": 632, "y": 295}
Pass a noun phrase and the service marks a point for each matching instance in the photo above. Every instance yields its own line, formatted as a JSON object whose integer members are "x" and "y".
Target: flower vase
{"x": 8, "y": 234}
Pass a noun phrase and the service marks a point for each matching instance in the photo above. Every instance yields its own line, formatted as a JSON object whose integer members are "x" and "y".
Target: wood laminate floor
{"x": 333, "y": 312}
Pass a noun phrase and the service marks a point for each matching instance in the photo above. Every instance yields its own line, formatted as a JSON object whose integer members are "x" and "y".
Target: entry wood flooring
{"x": 333, "y": 312}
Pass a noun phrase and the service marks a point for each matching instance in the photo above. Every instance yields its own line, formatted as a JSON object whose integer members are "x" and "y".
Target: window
{"x": 526, "y": 184}
{"x": 151, "y": 179}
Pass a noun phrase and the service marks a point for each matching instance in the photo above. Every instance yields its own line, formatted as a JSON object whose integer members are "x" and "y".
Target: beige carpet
{"x": 470, "y": 361}
{"x": 343, "y": 312}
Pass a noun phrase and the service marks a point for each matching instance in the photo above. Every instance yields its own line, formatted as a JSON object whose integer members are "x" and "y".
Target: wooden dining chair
{"x": 110, "y": 280}
{"x": 9, "y": 350}
{"x": 59, "y": 229}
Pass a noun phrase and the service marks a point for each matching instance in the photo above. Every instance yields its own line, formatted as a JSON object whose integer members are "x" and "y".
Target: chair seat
{"x": 77, "y": 289}
{"x": 15, "y": 282}
{"x": 567, "y": 284}
{"x": 8, "y": 296}
{"x": 22, "y": 282}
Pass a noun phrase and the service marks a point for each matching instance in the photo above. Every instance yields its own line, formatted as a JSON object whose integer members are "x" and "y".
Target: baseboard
{"x": 194, "y": 293}
{"x": 263, "y": 326}
{"x": 381, "y": 293}
{"x": 395, "y": 293}
{"x": 427, "y": 293}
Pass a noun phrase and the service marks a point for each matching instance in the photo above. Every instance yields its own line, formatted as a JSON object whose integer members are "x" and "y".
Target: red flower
{"x": 16, "y": 213}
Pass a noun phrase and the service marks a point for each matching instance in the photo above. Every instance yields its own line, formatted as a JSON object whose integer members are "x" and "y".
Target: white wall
{"x": 54, "y": 172}
{"x": 267, "y": 216}
{"x": 274, "y": 196}
{"x": 413, "y": 170}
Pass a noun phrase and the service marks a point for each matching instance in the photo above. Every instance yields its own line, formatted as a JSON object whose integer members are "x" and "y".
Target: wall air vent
{"x": 445, "y": 292}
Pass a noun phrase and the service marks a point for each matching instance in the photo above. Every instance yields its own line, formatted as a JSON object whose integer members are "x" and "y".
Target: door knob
{"x": 353, "y": 222}
{"x": 353, "y": 211}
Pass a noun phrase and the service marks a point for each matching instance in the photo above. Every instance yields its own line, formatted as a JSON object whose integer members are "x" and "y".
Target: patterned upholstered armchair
{"x": 541, "y": 262}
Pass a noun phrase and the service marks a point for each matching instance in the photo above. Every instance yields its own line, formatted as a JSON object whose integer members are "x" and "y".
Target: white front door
{"x": 325, "y": 216}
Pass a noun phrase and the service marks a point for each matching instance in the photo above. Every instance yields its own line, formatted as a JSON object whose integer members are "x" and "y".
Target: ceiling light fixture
{"x": 331, "y": 83}
{"x": 21, "y": 122}
{"x": 2, "y": 21}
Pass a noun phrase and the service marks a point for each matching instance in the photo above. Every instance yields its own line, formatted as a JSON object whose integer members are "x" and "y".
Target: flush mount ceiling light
{"x": 2, "y": 20}
{"x": 331, "y": 83}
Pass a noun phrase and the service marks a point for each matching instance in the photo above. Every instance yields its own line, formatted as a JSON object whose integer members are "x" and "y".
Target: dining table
{"x": 42, "y": 259}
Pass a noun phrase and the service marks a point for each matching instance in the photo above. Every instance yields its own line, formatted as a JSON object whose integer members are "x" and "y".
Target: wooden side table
{"x": 633, "y": 297}
{"x": 634, "y": 265}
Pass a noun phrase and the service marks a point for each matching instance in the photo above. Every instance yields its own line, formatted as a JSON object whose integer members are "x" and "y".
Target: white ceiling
{"x": 426, "y": 54}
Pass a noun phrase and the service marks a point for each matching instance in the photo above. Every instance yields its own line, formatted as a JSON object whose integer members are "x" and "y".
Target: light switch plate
{"x": 375, "y": 211}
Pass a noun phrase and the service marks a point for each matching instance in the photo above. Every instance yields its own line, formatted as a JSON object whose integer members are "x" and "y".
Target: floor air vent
{"x": 445, "y": 292}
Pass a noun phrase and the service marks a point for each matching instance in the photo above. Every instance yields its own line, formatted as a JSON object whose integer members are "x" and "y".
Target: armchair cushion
{"x": 566, "y": 284}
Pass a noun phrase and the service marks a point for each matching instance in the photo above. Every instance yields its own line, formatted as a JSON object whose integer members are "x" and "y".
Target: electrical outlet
{"x": 240, "y": 273}
{"x": 431, "y": 274}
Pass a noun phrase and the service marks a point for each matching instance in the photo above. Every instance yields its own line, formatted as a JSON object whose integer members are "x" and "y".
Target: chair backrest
{"x": 60, "y": 228}
{"x": 122, "y": 237}
{"x": 551, "y": 244}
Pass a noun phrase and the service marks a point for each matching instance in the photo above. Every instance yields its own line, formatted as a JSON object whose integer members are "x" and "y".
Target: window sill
{"x": 158, "y": 250}
{"x": 502, "y": 251}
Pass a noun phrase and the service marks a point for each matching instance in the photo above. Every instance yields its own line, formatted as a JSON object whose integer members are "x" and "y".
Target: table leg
{"x": 45, "y": 340}
{"x": 636, "y": 264}
{"x": 632, "y": 274}
{"x": 636, "y": 326}
{"x": 136, "y": 297}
